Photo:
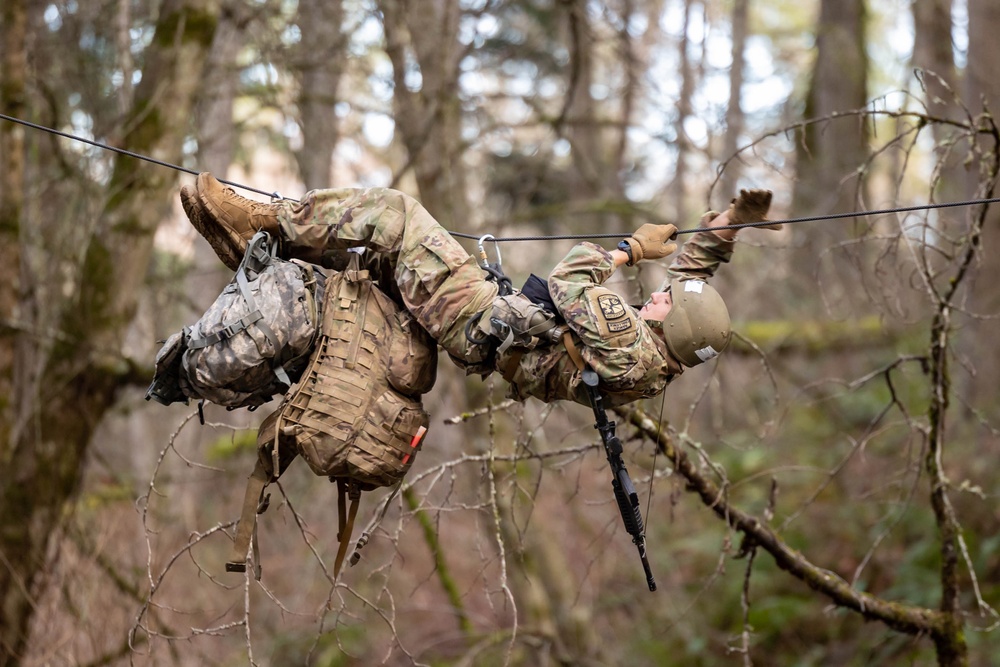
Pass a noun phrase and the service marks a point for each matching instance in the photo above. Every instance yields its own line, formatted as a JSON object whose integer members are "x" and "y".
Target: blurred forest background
{"x": 825, "y": 493}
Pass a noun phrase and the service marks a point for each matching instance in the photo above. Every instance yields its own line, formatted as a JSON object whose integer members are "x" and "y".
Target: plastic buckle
{"x": 230, "y": 330}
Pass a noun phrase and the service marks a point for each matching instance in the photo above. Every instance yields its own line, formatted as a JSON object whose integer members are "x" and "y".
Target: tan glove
{"x": 751, "y": 206}
{"x": 652, "y": 242}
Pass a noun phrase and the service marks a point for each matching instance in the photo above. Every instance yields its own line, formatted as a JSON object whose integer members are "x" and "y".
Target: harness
{"x": 517, "y": 320}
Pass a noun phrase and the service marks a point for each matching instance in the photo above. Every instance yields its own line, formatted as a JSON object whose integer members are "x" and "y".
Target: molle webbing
{"x": 344, "y": 417}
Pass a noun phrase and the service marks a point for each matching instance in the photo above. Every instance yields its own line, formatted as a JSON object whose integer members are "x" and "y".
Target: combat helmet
{"x": 697, "y": 327}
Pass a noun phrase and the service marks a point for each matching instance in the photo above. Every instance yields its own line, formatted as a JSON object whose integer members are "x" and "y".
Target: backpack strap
{"x": 254, "y": 503}
{"x": 351, "y": 489}
{"x": 353, "y": 296}
{"x": 376, "y": 520}
{"x": 573, "y": 351}
{"x": 259, "y": 255}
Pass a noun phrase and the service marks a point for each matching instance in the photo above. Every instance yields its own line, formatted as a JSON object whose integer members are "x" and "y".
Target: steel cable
{"x": 501, "y": 239}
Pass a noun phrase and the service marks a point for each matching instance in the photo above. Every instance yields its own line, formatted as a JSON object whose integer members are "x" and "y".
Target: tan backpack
{"x": 355, "y": 416}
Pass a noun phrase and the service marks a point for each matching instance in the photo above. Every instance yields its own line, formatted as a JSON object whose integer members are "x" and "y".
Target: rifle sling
{"x": 573, "y": 351}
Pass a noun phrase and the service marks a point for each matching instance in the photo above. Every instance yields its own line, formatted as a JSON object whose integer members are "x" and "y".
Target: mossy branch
{"x": 440, "y": 564}
{"x": 903, "y": 618}
{"x": 812, "y": 336}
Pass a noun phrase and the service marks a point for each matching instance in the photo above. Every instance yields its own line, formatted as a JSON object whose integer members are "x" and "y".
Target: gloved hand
{"x": 751, "y": 206}
{"x": 652, "y": 242}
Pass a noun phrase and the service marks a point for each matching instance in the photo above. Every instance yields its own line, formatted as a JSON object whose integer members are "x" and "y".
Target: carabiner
{"x": 482, "y": 252}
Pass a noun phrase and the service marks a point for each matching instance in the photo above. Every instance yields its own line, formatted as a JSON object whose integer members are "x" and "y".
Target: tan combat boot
{"x": 227, "y": 220}
{"x": 228, "y": 249}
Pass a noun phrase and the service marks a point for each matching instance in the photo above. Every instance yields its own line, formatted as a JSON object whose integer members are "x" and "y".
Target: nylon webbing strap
{"x": 226, "y": 332}
{"x": 361, "y": 310}
{"x": 573, "y": 351}
{"x": 513, "y": 361}
{"x": 366, "y": 535}
{"x": 246, "y": 530}
{"x": 353, "y": 491}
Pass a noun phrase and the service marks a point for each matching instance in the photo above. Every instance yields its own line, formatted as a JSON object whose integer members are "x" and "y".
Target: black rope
{"x": 137, "y": 156}
{"x": 563, "y": 237}
{"x": 764, "y": 223}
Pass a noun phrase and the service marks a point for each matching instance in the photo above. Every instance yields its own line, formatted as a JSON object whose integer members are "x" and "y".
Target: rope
{"x": 137, "y": 156}
{"x": 763, "y": 223}
{"x": 562, "y": 237}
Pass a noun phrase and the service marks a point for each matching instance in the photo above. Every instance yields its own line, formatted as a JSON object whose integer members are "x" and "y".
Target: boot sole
{"x": 218, "y": 238}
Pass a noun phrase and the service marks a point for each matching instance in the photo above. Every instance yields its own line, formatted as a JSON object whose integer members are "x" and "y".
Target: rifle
{"x": 628, "y": 499}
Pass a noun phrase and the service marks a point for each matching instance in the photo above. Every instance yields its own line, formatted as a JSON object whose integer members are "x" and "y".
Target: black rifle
{"x": 628, "y": 499}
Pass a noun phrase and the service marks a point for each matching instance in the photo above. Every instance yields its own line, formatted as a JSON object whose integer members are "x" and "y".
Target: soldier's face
{"x": 657, "y": 307}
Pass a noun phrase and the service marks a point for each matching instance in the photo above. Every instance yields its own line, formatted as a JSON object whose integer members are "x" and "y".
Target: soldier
{"x": 636, "y": 352}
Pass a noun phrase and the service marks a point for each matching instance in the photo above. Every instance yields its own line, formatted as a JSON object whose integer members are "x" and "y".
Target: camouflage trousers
{"x": 440, "y": 283}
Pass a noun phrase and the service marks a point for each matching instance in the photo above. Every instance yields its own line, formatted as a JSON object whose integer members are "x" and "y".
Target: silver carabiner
{"x": 482, "y": 251}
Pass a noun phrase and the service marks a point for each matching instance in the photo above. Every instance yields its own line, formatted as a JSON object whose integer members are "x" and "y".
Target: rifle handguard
{"x": 628, "y": 503}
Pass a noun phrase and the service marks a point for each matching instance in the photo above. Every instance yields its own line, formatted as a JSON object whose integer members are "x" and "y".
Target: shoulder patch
{"x": 613, "y": 316}
{"x": 611, "y": 306}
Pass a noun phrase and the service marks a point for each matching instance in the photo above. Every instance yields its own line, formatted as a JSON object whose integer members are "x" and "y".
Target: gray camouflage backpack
{"x": 253, "y": 342}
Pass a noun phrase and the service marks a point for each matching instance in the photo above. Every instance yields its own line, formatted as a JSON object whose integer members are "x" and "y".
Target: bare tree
{"x": 422, "y": 42}
{"x": 319, "y": 63}
{"x": 734, "y": 112}
{"x": 828, "y": 153}
{"x": 678, "y": 186}
{"x": 77, "y": 372}
{"x": 13, "y": 79}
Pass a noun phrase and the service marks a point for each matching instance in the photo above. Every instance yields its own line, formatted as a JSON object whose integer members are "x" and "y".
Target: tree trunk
{"x": 983, "y": 87}
{"x": 934, "y": 55}
{"x": 428, "y": 112}
{"x": 678, "y": 187}
{"x": 81, "y": 376}
{"x": 830, "y": 152}
{"x": 734, "y": 112}
{"x": 319, "y": 64}
{"x": 13, "y": 58}
{"x": 216, "y": 131}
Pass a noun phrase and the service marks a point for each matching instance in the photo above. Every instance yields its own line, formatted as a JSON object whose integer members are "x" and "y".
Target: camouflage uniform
{"x": 444, "y": 287}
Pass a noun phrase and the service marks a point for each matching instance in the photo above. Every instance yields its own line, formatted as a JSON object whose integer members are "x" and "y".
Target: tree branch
{"x": 904, "y": 618}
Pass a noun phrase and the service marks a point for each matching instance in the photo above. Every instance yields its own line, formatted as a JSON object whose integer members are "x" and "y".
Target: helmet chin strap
{"x": 675, "y": 365}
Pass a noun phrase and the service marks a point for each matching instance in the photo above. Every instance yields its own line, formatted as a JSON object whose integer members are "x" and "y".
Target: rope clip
{"x": 482, "y": 251}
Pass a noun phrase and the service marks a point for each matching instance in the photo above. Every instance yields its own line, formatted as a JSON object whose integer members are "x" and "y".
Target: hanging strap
{"x": 350, "y": 489}
{"x": 573, "y": 351}
{"x": 254, "y": 503}
{"x": 366, "y": 535}
{"x": 513, "y": 361}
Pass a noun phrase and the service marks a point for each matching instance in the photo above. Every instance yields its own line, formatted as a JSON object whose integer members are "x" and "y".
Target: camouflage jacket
{"x": 630, "y": 358}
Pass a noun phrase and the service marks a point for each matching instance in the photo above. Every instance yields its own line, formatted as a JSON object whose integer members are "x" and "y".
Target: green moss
{"x": 199, "y": 27}
{"x": 814, "y": 336}
{"x": 347, "y": 645}
{"x": 228, "y": 446}
{"x": 108, "y": 494}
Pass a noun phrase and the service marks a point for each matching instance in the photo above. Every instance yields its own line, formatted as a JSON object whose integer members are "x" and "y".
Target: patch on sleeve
{"x": 613, "y": 316}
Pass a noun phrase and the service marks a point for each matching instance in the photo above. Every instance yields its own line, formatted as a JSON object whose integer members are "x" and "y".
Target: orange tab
{"x": 415, "y": 442}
